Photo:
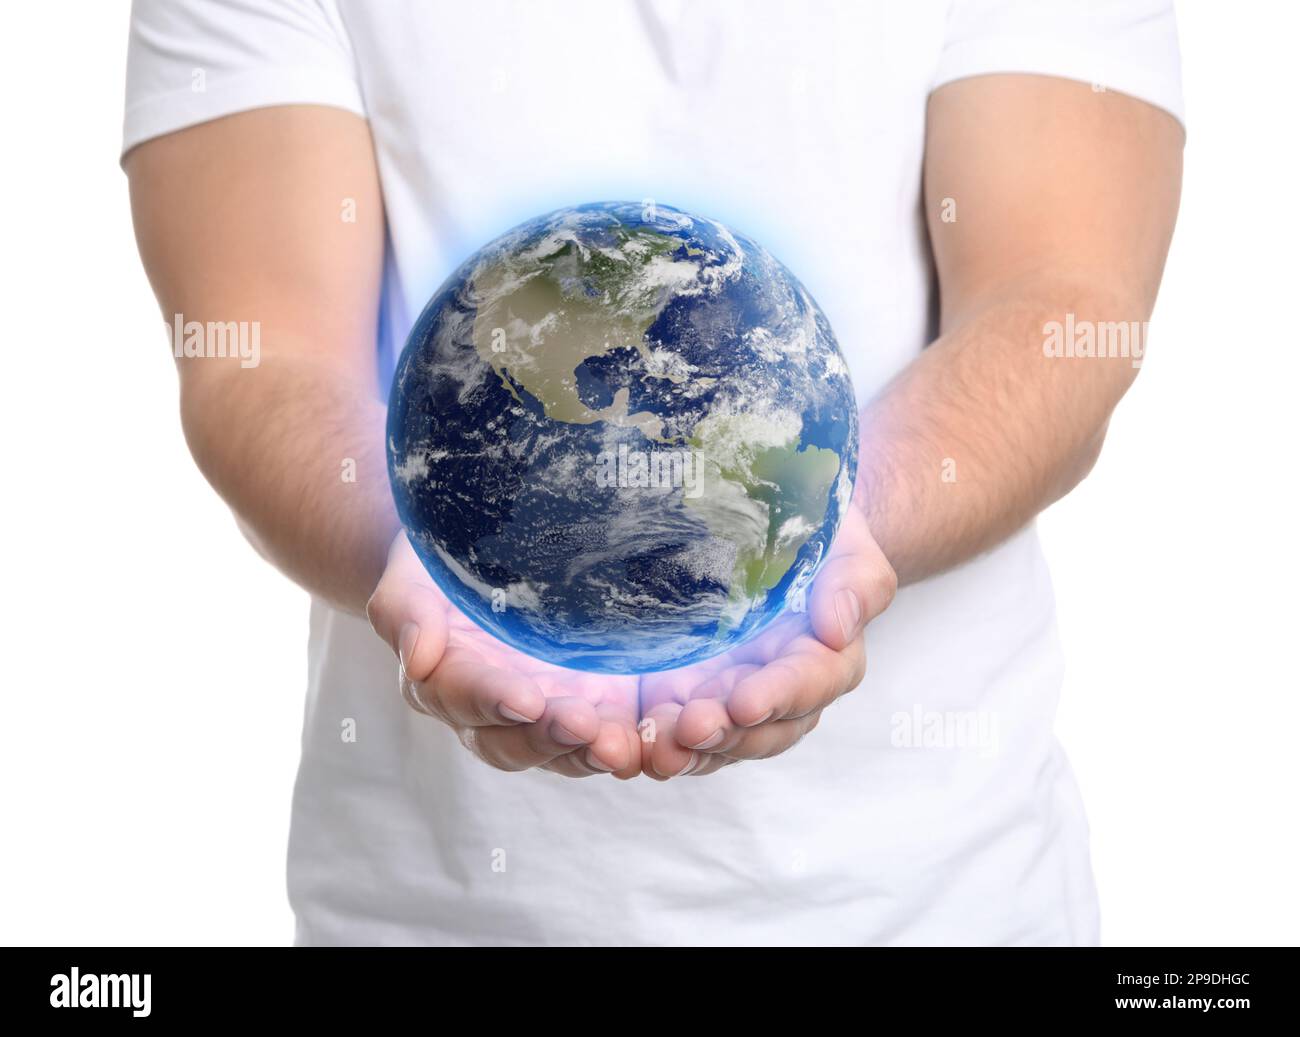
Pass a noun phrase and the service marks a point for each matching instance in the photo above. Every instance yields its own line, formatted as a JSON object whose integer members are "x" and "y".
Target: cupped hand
{"x": 511, "y": 710}
{"x": 758, "y": 700}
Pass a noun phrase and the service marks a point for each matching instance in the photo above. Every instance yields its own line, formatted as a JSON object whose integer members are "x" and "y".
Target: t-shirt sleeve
{"x": 189, "y": 61}
{"x": 1129, "y": 46}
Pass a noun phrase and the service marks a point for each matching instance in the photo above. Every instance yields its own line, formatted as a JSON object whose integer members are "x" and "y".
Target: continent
{"x": 764, "y": 492}
{"x": 546, "y": 312}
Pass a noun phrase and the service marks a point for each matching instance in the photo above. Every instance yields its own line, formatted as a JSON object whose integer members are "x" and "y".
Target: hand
{"x": 758, "y": 700}
{"x": 511, "y": 710}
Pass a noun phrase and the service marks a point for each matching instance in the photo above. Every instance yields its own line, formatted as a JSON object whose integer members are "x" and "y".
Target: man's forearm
{"x": 966, "y": 446}
{"x": 297, "y": 452}
{"x": 983, "y": 430}
{"x": 274, "y": 216}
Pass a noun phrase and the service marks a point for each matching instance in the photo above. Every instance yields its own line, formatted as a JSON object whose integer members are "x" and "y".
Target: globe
{"x": 621, "y": 438}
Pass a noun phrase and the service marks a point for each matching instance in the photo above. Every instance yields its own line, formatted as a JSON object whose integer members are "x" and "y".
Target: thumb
{"x": 854, "y": 587}
{"x": 409, "y": 612}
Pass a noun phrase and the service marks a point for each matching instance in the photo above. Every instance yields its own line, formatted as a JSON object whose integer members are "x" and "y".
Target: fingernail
{"x": 761, "y": 720}
{"x": 564, "y": 736}
{"x": 411, "y": 694}
{"x": 848, "y": 610}
{"x": 594, "y": 762}
{"x": 515, "y": 715}
{"x": 711, "y": 741}
{"x": 691, "y": 764}
{"x": 406, "y": 641}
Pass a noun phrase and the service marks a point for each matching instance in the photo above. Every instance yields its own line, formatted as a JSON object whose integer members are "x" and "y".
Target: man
{"x": 952, "y": 181}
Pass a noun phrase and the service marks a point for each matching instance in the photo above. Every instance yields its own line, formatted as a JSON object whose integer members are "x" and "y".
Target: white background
{"x": 153, "y": 667}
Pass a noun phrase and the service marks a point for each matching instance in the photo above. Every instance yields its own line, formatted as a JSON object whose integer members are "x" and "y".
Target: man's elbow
{"x": 218, "y": 430}
{"x": 200, "y": 421}
{"x": 1104, "y": 381}
{"x": 1078, "y": 465}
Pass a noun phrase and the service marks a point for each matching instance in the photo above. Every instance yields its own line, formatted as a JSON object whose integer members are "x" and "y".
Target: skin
{"x": 1065, "y": 198}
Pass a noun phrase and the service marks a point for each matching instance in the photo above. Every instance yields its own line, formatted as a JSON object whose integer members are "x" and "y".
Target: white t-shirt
{"x": 933, "y": 804}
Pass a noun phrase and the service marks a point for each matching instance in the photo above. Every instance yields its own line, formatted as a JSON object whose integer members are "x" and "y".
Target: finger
{"x": 571, "y": 765}
{"x": 567, "y": 724}
{"x": 663, "y": 757}
{"x": 465, "y": 691}
{"x": 765, "y": 740}
{"x": 634, "y": 755}
{"x": 698, "y": 715}
{"x": 610, "y": 750}
{"x": 856, "y": 585}
{"x": 619, "y": 747}
{"x": 409, "y": 612}
{"x": 710, "y": 763}
{"x": 704, "y": 725}
{"x": 608, "y": 753}
{"x": 808, "y": 677}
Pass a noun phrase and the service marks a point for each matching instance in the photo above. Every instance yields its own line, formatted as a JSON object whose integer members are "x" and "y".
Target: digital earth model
{"x": 621, "y": 438}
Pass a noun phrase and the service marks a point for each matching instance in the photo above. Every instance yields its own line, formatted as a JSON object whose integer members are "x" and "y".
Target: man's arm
{"x": 242, "y": 219}
{"x": 1065, "y": 200}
